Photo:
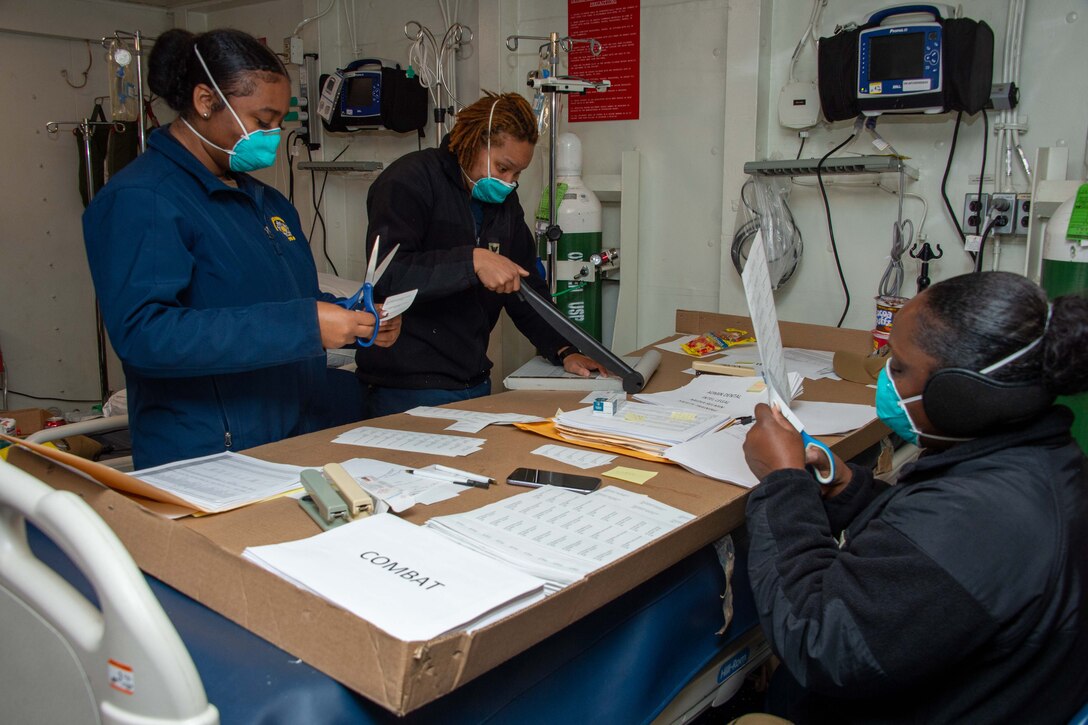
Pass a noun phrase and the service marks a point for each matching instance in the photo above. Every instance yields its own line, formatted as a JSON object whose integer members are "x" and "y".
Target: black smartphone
{"x": 570, "y": 481}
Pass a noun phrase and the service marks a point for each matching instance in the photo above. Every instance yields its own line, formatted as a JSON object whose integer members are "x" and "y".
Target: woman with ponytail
{"x": 206, "y": 283}
{"x": 960, "y": 594}
{"x": 465, "y": 246}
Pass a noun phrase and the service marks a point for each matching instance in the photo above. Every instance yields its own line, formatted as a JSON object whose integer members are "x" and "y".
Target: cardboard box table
{"x": 201, "y": 556}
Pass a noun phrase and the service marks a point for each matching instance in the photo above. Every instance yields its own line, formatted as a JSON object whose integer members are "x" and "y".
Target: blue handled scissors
{"x": 810, "y": 442}
{"x": 364, "y": 298}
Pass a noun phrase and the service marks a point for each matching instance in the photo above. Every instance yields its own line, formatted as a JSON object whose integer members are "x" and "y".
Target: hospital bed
{"x": 66, "y": 658}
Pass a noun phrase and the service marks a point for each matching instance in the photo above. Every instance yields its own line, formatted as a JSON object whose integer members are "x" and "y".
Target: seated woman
{"x": 960, "y": 594}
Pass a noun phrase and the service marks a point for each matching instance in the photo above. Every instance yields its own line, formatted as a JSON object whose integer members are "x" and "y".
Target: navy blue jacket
{"x": 208, "y": 293}
{"x": 959, "y": 595}
{"x": 421, "y": 203}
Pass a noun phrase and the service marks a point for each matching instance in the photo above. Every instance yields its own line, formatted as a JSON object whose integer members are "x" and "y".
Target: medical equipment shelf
{"x": 340, "y": 165}
{"x": 834, "y": 165}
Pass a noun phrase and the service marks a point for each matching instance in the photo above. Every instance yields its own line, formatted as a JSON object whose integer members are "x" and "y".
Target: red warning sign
{"x": 615, "y": 25}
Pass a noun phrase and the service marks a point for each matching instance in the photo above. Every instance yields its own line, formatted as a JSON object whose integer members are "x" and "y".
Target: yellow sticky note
{"x": 682, "y": 415}
{"x": 758, "y": 387}
{"x": 633, "y": 417}
{"x": 631, "y": 475}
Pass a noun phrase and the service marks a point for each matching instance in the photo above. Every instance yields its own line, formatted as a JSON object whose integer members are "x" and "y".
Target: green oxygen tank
{"x": 579, "y": 216}
{"x": 1065, "y": 271}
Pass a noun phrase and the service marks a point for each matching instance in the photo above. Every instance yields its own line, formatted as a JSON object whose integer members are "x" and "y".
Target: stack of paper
{"x": 737, "y": 397}
{"x": 561, "y": 536}
{"x": 222, "y": 481}
{"x": 644, "y": 427}
{"x": 408, "y": 580}
{"x": 403, "y": 440}
{"x": 724, "y": 394}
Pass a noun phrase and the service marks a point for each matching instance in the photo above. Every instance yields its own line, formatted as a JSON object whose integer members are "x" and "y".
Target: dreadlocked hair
{"x": 513, "y": 117}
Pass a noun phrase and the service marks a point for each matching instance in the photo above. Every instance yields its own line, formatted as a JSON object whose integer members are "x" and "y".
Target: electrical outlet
{"x": 974, "y": 213}
{"x": 1002, "y": 212}
{"x": 1023, "y": 214}
{"x": 292, "y": 48}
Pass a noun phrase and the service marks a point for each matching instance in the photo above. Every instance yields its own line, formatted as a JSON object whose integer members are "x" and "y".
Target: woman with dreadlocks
{"x": 465, "y": 246}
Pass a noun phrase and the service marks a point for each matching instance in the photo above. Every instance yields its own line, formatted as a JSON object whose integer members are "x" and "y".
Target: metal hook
{"x": 417, "y": 34}
{"x": 568, "y": 43}
{"x": 90, "y": 62}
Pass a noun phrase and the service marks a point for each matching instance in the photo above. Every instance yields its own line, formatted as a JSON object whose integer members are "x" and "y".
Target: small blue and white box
{"x": 607, "y": 403}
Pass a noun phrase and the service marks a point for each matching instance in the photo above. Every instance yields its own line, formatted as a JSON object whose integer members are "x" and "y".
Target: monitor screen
{"x": 896, "y": 57}
{"x": 360, "y": 91}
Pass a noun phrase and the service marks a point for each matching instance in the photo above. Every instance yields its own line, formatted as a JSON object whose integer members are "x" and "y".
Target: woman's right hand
{"x": 496, "y": 272}
{"x": 340, "y": 327}
{"x": 843, "y": 473}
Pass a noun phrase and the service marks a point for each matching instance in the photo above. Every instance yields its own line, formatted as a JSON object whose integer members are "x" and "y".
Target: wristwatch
{"x": 567, "y": 352}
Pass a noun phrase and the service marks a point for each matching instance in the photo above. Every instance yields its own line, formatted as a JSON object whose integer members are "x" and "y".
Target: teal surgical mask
{"x": 892, "y": 409}
{"x": 488, "y": 189}
{"x": 255, "y": 149}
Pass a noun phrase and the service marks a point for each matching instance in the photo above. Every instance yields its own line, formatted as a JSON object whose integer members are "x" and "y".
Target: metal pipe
{"x": 141, "y": 131}
{"x": 553, "y": 203}
{"x": 87, "y": 127}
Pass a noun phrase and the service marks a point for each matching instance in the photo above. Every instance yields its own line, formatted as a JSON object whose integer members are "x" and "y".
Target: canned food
{"x": 880, "y": 339}
{"x": 55, "y": 422}
{"x": 7, "y": 426}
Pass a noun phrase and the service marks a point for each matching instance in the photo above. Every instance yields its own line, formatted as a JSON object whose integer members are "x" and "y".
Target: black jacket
{"x": 958, "y": 595}
{"x": 421, "y": 202}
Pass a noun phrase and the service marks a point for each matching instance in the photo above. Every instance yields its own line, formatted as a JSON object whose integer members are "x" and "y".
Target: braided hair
{"x": 513, "y": 116}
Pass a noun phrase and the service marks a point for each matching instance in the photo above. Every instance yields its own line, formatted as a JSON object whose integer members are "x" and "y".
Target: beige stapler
{"x": 360, "y": 504}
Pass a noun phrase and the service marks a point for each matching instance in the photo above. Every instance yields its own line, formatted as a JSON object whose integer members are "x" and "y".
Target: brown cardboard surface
{"x": 27, "y": 420}
{"x": 201, "y": 556}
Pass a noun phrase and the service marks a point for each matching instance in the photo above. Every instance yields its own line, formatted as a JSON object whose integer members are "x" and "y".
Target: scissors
{"x": 364, "y": 298}
{"x": 810, "y": 442}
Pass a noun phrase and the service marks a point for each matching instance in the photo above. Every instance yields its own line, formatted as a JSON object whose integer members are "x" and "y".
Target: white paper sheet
{"x": 397, "y": 304}
{"x": 401, "y": 440}
{"x": 222, "y": 481}
{"x": 820, "y": 418}
{"x": 718, "y": 455}
{"x": 405, "y": 579}
{"x": 758, "y": 291}
{"x": 578, "y": 457}
{"x": 470, "y": 421}
{"x": 392, "y": 484}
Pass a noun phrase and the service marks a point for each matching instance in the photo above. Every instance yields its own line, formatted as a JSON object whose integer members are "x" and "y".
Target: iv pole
{"x": 549, "y": 51}
{"x": 87, "y": 127}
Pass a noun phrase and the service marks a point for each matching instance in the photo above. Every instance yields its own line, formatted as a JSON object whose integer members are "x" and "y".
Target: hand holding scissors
{"x": 811, "y": 444}
{"x": 770, "y": 445}
{"x": 364, "y": 298}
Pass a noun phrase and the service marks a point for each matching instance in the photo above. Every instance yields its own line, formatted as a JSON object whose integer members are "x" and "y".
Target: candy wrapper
{"x": 713, "y": 342}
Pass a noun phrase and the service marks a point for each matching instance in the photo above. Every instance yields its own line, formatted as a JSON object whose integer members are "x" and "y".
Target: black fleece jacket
{"x": 421, "y": 203}
{"x": 958, "y": 595}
